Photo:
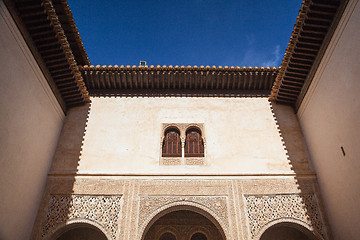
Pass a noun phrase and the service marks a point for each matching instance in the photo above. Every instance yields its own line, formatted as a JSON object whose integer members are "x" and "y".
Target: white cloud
{"x": 275, "y": 60}
{"x": 254, "y": 56}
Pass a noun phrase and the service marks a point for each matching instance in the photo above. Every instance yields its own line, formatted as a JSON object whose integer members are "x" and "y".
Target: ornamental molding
{"x": 101, "y": 211}
{"x": 264, "y": 211}
{"x": 152, "y": 206}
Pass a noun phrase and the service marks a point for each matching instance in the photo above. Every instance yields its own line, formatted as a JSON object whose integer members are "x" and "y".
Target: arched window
{"x": 198, "y": 236}
{"x": 194, "y": 146}
{"x": 167, "y": 236}
{"x": 172, "y": 144}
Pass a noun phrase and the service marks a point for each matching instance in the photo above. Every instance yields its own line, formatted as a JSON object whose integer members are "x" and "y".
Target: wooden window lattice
{"x": 194, "y": 146}
{"x": 171, "y": 144}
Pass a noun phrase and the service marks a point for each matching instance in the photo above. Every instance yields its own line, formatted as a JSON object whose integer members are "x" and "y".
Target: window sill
{"x": 175, "y": 161}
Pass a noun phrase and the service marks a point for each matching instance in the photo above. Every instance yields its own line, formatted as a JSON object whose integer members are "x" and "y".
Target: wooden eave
{"x": 72, "y": 34}
{"x": 312, "y": 32}
{"x": 113, "y": 80}
{"x": 42, "y": 30}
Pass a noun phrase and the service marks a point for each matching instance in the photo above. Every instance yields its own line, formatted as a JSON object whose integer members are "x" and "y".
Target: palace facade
{"x": 178, "y": 152}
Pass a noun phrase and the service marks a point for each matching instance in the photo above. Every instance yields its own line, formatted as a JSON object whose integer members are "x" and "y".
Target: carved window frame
{"x": 182, "y": 127}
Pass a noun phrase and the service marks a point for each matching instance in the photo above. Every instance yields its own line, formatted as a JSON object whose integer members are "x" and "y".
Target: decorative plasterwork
{"x": 216, "y": 206}
{"x": 104, "y": 210}
{"x": 263, "y": 209}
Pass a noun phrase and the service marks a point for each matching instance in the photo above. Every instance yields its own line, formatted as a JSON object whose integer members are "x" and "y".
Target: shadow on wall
{"x": 71, "y": 141}
{"x": 297, "y": 155}
{"x": 58, "y": 200}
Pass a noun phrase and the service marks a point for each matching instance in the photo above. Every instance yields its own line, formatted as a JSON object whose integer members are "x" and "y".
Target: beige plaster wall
{"x": 30, "y": 122}
{"x": 123, "y": 136}
{"x": 329, "y": 116}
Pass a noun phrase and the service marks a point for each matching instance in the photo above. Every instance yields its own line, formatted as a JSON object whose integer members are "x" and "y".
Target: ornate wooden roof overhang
{"x": 51, "y": 34}
{"x": 311, "y": 35}
{"x": 71, "y": 32}
{"x": 113, "y": 80}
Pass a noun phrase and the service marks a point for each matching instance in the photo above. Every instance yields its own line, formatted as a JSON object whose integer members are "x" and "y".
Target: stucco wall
{"x": 30, "y": 120}
{"x": 330, "y": 119}
{"x": 123, "y": 136}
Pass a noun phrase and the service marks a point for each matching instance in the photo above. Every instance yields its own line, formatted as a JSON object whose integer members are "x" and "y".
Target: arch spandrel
{"x": 75, "y": 209}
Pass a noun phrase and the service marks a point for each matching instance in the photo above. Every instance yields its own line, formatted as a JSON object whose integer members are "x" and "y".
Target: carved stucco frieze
{"x": 103, "y": 210}
{"x": 263, "y": 209}
{"x": 150, "y": 205}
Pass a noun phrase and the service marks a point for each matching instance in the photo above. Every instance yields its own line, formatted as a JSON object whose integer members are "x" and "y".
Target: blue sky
{"x": 186, "y": 32}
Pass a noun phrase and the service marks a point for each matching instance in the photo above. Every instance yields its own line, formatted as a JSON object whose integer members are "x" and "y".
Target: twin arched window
{"x": 194, "y": 145}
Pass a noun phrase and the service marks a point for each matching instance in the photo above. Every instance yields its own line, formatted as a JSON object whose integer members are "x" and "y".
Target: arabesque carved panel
{"x": 103, "y": 210}
{"x": 262, "y": 209}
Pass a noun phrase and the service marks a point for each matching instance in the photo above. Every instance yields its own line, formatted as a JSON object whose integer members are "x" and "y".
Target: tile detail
{"x": 103, "y": 210}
